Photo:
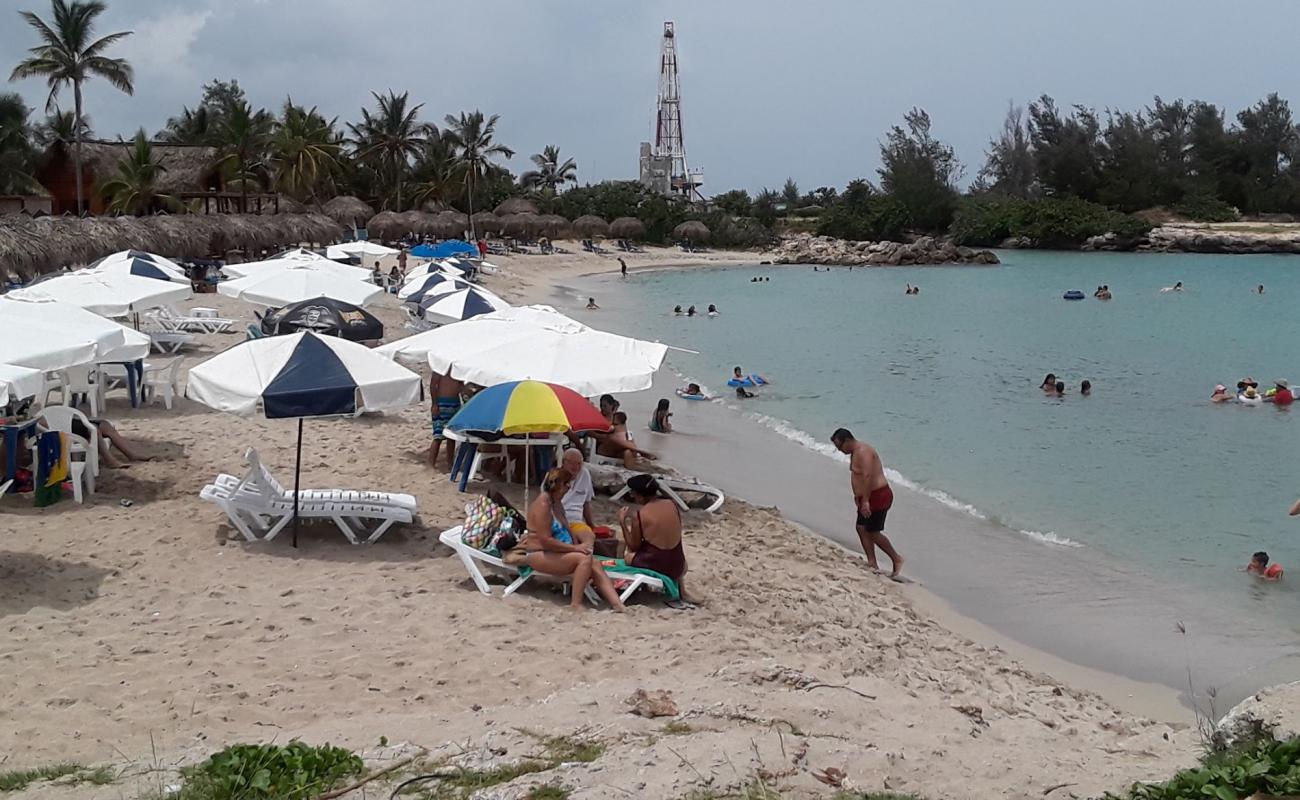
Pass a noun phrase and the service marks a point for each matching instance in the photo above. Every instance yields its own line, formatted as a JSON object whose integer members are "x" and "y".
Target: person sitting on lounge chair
{"x": 618, "y": 444}
{"x": 552, "y": 550}
{"x": 652, "y": 531}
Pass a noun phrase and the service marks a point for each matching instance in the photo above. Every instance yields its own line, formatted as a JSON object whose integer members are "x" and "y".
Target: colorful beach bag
{"x": 483, "y": 520}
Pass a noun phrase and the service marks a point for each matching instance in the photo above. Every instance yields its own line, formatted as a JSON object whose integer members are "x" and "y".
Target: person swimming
{"x": 739, "y": 375}
{"x": 661, "y": 420}
{"x": 1085, "y": 388}
{"x": 1260, "y": 567}
{"x": 742, "y": 392}
{"x": 1059, "y": 388}
{"x": 1177, "y": 287}
{"x": 1259, "y": 289}
{"x": 690, "y": 312}
{"x": 713, "y": 310}
{"x": 677, "y": 311}
{"x": 1049, "y": 383}
{"x": 591, "y": 304}
{"x": 1220, "y": 394}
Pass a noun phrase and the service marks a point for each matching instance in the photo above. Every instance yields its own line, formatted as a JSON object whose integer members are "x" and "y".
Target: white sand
{"x": 144, "y": 635}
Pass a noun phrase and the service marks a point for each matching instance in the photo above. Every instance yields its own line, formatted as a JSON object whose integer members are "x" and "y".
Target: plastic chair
{"x": 78, "y": 381}
{"x": 59, "y": 418}
{"x": 162, "y": 380}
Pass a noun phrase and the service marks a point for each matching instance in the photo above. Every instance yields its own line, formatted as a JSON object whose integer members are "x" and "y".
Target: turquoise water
{"x": 944, "y": 383}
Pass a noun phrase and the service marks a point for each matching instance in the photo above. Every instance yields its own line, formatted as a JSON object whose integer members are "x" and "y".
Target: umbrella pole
{"x": 297, "y": 474}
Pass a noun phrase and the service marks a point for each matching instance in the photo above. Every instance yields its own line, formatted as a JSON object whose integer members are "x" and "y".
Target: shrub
{"x": 1206, "y": 208}
{"x": 872, "y": 218}
{"x": 295, "y": 771}
{"x": 1267, "y": 768}
{"x": 987, "y": 221}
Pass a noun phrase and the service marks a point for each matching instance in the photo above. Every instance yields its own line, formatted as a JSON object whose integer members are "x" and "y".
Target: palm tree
{"x": 134, "y": 189}
{"x": 388, "y": 140}
{"x": 471, "y": 138}
{"x": 550, "y": 172}
{"x": 191, "y": 127}
{"x": 241, "y": 140}
{"x": 61, "y": 126}
{"x": 437, "y": 175}
{"x": 68, "y": 56}
{"x": 305, "y": 150}
{"x": 16, "y": 150}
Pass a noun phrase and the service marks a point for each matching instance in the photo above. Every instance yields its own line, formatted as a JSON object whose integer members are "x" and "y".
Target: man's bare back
{"x": 866, "y": 471}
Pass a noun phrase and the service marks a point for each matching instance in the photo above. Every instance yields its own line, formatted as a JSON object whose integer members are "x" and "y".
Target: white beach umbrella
{"x": 19, "y": 382}
{"x": 110, "y": 295}
{"x": 284, "y": 286}
{"x": 141, "y": 265}
{"x": 292, "y": 259}
{"x": 302, "y": 375}
{"x": 462, "y": 304}
{"x": 359, "y": 249}
{"x": 537, "y": 343}
{"x": 427, "y": 268}
{"x": 49, "y": 335}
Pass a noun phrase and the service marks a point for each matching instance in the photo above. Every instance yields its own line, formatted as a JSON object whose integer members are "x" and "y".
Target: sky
{"x": 771, "y": 88}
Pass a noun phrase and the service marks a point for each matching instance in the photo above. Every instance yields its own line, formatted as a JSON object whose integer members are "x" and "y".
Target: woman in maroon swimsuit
{"x": 653, "y": 531}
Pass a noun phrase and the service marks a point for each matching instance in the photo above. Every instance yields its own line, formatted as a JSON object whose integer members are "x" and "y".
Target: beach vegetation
{"x": 550, "y": 791}
{"x": 1045, "y": 222}
{"x": 17, "y": 154}
{"x": 295, "y": 771}
{"x": 551, "y": 171}
{"x": 305, "y": 149}
{"x": 920, "y": 172}
{"x": 1206, "y": 208}
{"x": 68, "y": 55}
{"x": 386, "y": 141}
{"x": 61, "y": 126}
{"x": 67, "y": 773}
{"x": 241, "y": 139}
{"x": 472, "y": 137}
{"x": 134, "y": 187}
{"x": 1266, "y": 768}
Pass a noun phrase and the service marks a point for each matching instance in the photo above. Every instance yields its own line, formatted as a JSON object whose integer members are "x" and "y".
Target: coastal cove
{"x": 997, "y": 516}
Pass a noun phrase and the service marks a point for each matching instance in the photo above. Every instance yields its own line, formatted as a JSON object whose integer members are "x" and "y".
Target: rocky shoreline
{"x": 808, "y": 249}
{"x": 1242, "y": 239}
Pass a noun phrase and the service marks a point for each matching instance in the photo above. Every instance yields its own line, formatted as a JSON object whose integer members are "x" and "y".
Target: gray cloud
{"x": 771, "y": 88}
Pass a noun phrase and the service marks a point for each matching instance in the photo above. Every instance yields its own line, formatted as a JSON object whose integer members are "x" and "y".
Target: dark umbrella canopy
{"x": 325, "y": 316}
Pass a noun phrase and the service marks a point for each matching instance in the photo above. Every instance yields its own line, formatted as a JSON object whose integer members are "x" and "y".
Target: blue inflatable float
{"x": 1073, "y": 294}
{"x": 748, "y": 380}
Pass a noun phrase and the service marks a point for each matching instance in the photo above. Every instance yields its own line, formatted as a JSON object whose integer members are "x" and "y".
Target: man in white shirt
{"x": 577, "y": 502}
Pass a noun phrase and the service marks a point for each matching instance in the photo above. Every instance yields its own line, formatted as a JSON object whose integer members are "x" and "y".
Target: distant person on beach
{"x": 872, "y": 497}
{"x": 1220, "y": 394}
{"x": 622, "y": 267}
{"x": 445, "y": 391}
{"x": 591, "y": 304}
{"x": 618, "y": 444}
{"x": 653, "y": 532}
{"x": 693, "y": 388}
{"x": 1049, "y": 383}
{"x": 662, "y": 420}
{"x": 551, "y": 549}
{"x": 1177, "y": 287}
{"x": 401, "y": 261}
{"x": 1260, "y": 567}
{"x": 1085, "y": 388}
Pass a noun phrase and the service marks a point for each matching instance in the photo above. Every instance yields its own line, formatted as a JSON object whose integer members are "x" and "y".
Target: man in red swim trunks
{"x": 872, "y": 497}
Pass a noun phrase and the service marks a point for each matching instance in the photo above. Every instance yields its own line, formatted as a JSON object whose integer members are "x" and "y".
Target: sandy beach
{"x": 145, "y": 636}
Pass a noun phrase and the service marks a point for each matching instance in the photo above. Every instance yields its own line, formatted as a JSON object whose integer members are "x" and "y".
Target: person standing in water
{"x": 622, "y": 267}
{"x": 872, "y": 497}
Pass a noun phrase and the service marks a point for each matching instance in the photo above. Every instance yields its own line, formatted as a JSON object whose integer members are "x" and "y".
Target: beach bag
{"x": 482, "y": 524}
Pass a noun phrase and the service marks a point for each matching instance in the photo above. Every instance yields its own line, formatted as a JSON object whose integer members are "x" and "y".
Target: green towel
{"x": 620, "y": 569}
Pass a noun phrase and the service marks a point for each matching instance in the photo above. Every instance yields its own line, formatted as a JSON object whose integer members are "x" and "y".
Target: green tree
{"x": 551, "y": 172}
{"x": 241, "y": 141}
{"x": 388, "y": 140}
{"x": 1009, "y": 161}
{"x": 305, "y": 151}
{"x": 790, "y": 196}
{"x": 1128, "y": 173}
{"x": 735, "y": 202}
{"x": 765, "y": 210}
{"x": 1268, "y": 144}
{"x": 68, "y": 55}
{"x": 61, "y": 126}
{"x": 200, "y": 125}
{"x": 437, "y": 176}
{"x": 1065, "y": 149}
{"x": 920, "y": 172}
{"x": 1171, "y": 131}
{"x": 473, "y": 139}
{"x": 134, "y": 188}
{"x": 17, "y": 155}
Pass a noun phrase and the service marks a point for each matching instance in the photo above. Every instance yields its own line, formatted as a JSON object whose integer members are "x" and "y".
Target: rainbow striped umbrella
{"x": 521, "y": 407}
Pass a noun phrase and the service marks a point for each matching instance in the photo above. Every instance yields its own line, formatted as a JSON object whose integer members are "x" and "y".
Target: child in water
{"x": 742, "y": 393}
{"x": 1259, "y": 566}
{"x": 661, "y": 421}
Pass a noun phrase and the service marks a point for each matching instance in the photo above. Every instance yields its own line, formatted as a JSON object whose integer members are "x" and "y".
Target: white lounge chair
{"x": 172, "y": 320}
{"x": 673, "y": 488}
{"x": 259, "y": 480}
{"x": 472, "y": 557}
{"x": 261, "y": 518}
{"x": 170, "y": 342}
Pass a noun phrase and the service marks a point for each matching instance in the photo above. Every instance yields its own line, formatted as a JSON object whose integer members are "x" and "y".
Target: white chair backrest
{"x": 262, "y": 475}
{"x": 59, "y": 418}
{"x": 78, "y": 377}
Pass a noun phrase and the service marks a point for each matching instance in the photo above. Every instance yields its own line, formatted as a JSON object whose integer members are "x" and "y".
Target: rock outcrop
{"x": 1271, "y": 712}
{"x": 808, "y": 249}
{"x": 1246, "y": 238}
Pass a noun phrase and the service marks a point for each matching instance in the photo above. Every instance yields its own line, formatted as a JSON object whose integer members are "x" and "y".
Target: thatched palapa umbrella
{"x": 287, "y": 205}
{"x": 692, "y": 231}
{"x": 627, "y": 228}
{"x": 451, "y": 224}
{"x": 384, "y": 226}
{"x": 516, "y": 205}
{"x": 590, "y": 225}
{"x": 433, "y": 207}
{"x": 487, "y": 222}
{"x": 348, "y": 211}
{"x": 524, "y": 224}
{"x": 554, "y": 225}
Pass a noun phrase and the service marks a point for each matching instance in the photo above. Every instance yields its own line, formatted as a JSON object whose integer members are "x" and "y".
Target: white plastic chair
{"x": 59, "y": 418}
{"x": 53, "y": 382}
{"x": 161, "y": 380}
{"x": 78, "y": 381}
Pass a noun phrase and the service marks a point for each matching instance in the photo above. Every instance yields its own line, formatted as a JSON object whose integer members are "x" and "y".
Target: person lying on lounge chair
{"x": 552, "y": 549}
{"x": 652, "y": 531}
{"x": 618, "y": 444}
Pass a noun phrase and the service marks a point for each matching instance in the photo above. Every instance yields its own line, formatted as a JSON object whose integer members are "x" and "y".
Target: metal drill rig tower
{"x": 663, "y": 165}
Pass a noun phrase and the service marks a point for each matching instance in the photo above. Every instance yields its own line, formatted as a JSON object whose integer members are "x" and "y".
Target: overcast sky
{"x": 771, "y": 88}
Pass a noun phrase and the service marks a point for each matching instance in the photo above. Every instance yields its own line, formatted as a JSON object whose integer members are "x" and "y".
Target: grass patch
{"x": 295, "y": 771}
{"x": 550, "y": 792}
{"x": 72, "y": 774}
{"x": 1266, "y": 767}
{"x": 873, "y": 796}
{"x": 556, "y": 750}
{"x": 676, "y": 728}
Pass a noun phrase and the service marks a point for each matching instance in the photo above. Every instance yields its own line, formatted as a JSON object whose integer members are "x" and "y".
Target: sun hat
{"x": 1218, "y": 387}
{"x": 1282, "y": 383}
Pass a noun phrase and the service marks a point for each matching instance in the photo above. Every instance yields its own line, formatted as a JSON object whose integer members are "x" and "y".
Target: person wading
{"x": 872, "y": 498}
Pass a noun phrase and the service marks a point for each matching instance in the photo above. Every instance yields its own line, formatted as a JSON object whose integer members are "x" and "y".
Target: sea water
{"x": 1144, "y": 475}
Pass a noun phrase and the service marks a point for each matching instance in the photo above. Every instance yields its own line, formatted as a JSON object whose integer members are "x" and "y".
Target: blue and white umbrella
{"x": 302, "y": 375}
{"x": 460, "y": 305}
{"x": 433, "y": 283}
{"x": 142, "y": 265}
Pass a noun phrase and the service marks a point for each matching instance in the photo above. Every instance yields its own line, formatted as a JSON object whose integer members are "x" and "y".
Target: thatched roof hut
{"x": 433, "y": 207}
{"x": 386, "y": 225}
{"x": 554, "y": 225}
{"x": 451, "y": 224}
{"x": 348, "y": 211}
{"x": 486, "y": 222}
{"x": 692, "y": 231}
{"x": 189, "y": 168}
{"x": 287, "y": 205}
{"x": 516, "y": 205}
{"x": 590, "y": 225}
{"x": 524, "y": 224}
{"x": 627, "y": 228}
